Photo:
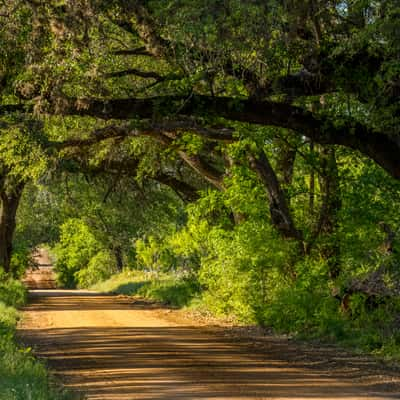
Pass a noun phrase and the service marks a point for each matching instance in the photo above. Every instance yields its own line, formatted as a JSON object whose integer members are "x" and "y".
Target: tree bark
{"x": 380, "y": 147}
{"x": 286, "y": 157}
{"x": 118, "y": 257}
{"x": 312, "y": 184}
{"x": 328, "y": 218}
{"x": 9, "y": 201}
{"x": 281, "y": 216}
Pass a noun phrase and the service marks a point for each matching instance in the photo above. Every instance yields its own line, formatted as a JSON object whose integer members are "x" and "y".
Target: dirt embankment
{"x": 120, "y": 348}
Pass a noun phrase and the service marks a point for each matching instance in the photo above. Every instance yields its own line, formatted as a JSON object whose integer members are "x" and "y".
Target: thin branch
{"x": 136, "y": 72}
{"x": 140, "y": 51}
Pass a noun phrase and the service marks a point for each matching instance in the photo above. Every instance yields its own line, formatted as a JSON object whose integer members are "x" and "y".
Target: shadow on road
{"x": 186, "y": 362}
{"x": 64, "y": 300}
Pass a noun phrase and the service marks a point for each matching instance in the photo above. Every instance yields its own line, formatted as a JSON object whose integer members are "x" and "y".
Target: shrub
{"x": 175, "y": 292}
{"x": 305, "y": 305}
{"x": 100, "y": 268}
{"x": 12, "y": 293}
{"x": 8, "y": 317}
{"x": 155, "y": 255}
{"x": 21, "y": 260}
{"x": 76, "y": 247}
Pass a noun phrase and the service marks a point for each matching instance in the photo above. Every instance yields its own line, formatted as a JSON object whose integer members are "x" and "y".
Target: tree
{"x": 307, "y": 49}
{"x": 195, "y": 77}
{"x": 21, "y": 159}
{"x": 9, "y": 201}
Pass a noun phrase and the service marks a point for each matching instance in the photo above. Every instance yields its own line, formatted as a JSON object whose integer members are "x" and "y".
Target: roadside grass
{"x": 12, "y": 293}
{"x": 22, "y": 377}
{"x": 174, "y": 291}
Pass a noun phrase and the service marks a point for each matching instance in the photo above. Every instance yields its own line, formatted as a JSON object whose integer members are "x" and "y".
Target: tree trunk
{"x": 9, "y": 201}
{"x": 118, "y": 258}
{"x": 281, "y": 216}
{"x": 312, "y": 184}
{"x": 331, "y": 204}
{"x": 285, "y": 163}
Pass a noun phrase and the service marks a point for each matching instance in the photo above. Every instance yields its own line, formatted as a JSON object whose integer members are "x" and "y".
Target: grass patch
{"x": 22, "y": 377}
{"x": 177, "y": 292}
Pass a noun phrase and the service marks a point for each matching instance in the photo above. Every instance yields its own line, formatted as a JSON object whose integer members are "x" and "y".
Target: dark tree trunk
{"x": 118, "y": 257}
{"x": 281, "y": 216}
{"x": 331, "y": 204}
{"x": 312, "y": 184}
{"x": 378, "y": 146}
{"x": 285, "y": 163}
{"x": 9, "y": 201}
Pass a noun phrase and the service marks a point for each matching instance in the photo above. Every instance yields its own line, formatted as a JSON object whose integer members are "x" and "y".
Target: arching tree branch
{"x": 383, "y": 149}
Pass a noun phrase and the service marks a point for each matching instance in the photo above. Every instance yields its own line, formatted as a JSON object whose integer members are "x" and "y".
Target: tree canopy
{"x": 236, "y": 138}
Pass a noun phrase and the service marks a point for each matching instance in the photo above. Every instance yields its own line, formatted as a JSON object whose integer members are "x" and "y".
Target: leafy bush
{"x": 175, "y": 292}
{"x": 100, "y": 268}
{"x": 300, "y": 310}
{"x": 12, "y": 293}
{"x": 21, "y": 259}
{"x": 154, "y": 255}
{"x": 375, "y": 323}
{"x": 8, "y": 317}
{"x": 235, "y": 265}
{"x": 74, "y": 251}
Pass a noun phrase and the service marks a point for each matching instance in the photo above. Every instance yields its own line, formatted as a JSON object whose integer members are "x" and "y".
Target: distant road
{"x": 42, "y": 277}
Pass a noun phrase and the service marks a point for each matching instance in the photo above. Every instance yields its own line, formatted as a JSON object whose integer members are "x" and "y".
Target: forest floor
{"x": 118, "y": 348}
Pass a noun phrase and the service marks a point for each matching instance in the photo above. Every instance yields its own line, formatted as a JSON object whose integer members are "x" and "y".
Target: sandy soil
{"x": 119, "y": 348}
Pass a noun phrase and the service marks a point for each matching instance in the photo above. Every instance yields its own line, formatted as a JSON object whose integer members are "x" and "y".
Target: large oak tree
{"x": 327, "y": 72}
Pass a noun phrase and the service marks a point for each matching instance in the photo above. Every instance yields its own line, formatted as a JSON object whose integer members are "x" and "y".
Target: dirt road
{"x": 42, "y": 276}
{"x": 119, "y": 348}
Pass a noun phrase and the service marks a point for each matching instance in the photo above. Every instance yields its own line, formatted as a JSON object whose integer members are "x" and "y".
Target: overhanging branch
{"x": 381, "y": 148}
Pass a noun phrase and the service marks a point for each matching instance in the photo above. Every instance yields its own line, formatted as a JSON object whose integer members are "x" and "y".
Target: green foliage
{"x": 100, "y": 268}
{"x": 8, "y": 317}
{"x": 155, "y": 255}
{"x": 178, "y": 292}
{"x": 247, "y": 271}
{"x": 126, "y": 282}
{"x": 305, "y": 306}
{"x": 39, "y": 217}
{"x": 21, "y": 148}
{"x": 374, "y": 324}
{"x": 12, "y": 293}
{"x": 24, "y": 377}
{"x": 107, "y": 200}
{"x": 74, "y": 251}
{"x": 21, "y": 259}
